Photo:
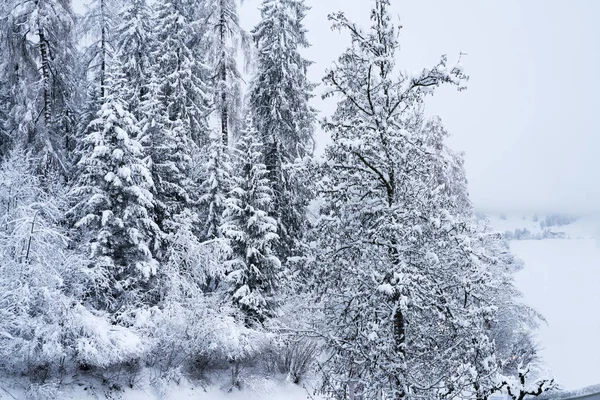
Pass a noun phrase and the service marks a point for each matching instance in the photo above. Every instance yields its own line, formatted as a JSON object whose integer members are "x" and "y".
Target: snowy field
{"x": 561, "y": 279}
{"x": 254, "y": 389}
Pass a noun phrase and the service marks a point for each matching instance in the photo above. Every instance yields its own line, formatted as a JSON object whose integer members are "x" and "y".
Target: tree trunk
{"x": 224, "y": 108}
{"x": 223, "y": 78}
{"x": 103, "y": 52}
{"x": 45, "y": 75}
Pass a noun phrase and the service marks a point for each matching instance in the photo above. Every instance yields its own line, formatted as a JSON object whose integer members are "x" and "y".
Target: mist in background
{"x": 527, "y": 122}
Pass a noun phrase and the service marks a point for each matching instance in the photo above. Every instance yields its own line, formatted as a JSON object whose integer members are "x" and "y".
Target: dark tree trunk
{"x": 223, "y": 78}
{"x": 103, "y": 53}
{"x": 45, "y": 76}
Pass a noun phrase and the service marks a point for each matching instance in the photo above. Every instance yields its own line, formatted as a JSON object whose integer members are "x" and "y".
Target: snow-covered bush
{"x": 45, "y": 324}
{"x": 294, "y": 356}
{"x": 194, "y": 330}
{"x": 295, "y": 345}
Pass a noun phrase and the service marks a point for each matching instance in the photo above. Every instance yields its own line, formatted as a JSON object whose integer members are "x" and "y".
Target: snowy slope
{"x": 585, "y": 226}
{"x": 561, "y": 279}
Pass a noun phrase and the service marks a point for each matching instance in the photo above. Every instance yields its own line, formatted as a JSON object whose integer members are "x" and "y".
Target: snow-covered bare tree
{"x": 253, "y": 270}
{"x": 519, "y": 370}
{"x": 402, "y": 279}
{"x": 279, "y": 97}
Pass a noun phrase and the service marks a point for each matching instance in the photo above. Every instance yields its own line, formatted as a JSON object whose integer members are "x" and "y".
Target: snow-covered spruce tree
{"x": 279, "y": 97}
{"x": 179, "y": 70}
{"x": 99, "y": 25}
{"x": 177, "y": 190}
{"x": 398, "y": 265}
{"x": 224, "y": 36}
{"x": 253, "y": 271}
{"x": 39, "y": 36}
{"x": 216, "y": 187}
{"x": 164, "y": 90}
{"x": 133, "y": 45}
{"x": 115, "y": 210}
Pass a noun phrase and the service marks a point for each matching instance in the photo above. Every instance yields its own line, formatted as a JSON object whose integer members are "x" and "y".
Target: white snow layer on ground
{"x": 561, "y": 279}
{"x": 88, "y": 389}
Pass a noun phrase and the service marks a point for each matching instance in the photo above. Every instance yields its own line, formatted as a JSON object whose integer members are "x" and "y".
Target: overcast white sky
{"x": 528, "y": 120}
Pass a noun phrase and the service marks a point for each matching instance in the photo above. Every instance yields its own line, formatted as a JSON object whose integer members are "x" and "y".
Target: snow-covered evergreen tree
{"x": 116, "y": 202}
{"x": 133, "y": 44}
{"x": 253, "y": 270}
{"x": 99, "y": 24}
{"x": 279, "y": 98}
{"x": 171, "y": 152}
{"x": 224, "y": 37}
{"x": 39, "y": 35}
{"x": 179, "y": 71}
{"x": 216, "y": 187}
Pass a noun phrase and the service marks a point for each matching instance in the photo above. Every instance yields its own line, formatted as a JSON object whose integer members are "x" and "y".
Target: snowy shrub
{"x": 42, "y": 391}
{"x": 294, "y": 357}
{"x": 193, "y": 330}
{"x": 295, "y": 347}
{"x": 44, "y": 324}
{"x": 99, "y": 343}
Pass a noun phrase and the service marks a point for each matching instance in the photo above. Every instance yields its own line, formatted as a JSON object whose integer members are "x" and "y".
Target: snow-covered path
{"x": 561, "y": 279}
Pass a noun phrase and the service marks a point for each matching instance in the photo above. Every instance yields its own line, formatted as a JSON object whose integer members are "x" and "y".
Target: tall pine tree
{"x": 174, "y": 109}
{"x": 279, "y": 100}
{"x": 133, "y": 45}
{"x": 179, "y": 70}
{"x": 224, "y": 37}
{"x": 253, "y": 270}
{"x": 115, "y": 211}
{"x": 39, "y": 35}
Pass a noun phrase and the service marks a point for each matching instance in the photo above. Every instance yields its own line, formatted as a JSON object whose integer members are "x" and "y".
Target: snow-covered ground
{"x": 254, "y": 389}
{"x": 561, "y": 279}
